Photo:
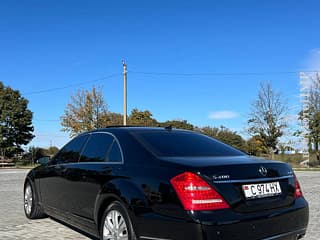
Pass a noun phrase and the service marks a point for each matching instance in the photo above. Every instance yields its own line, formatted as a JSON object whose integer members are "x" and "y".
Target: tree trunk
{"x": 271, "y": 153}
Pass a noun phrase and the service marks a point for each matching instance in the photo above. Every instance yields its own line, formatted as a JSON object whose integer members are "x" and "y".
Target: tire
{"x": 31, "y": 207}
{"x": 116, "y": 223}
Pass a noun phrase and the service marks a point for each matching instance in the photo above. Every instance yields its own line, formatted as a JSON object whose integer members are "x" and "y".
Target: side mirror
{"x": 43, "y": 160}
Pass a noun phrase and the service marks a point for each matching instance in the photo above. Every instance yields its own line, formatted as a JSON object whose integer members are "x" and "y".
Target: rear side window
{"x": 115, "y": 153}
{"x": 71, "y": 151}
{"x": 183, "y": 144}
{"x": 97, "y": 148}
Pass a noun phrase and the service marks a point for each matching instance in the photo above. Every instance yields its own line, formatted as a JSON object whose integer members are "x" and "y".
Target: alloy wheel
{"x": 28, "y": 199}
{"x": 115, "y": 227}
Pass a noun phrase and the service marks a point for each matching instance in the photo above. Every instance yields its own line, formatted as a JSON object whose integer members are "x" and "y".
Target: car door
{"x": 96, "y": 166}
{"x": 53, "y": 185}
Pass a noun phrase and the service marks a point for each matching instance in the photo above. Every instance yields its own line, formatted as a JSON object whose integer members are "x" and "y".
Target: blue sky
{"x": 216, "y": 53}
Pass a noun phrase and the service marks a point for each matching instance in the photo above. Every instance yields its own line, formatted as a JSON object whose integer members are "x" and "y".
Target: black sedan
{"x": 128, "y": 183}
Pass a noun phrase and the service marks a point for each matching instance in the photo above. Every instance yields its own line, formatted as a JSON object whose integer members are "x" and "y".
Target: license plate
{"x": 261, "y": 190}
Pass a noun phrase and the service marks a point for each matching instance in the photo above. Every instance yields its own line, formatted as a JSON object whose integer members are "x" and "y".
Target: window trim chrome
{"x": 253, "y": 180}
{"x": 153, "y": 238}
{"x": 104, "y": 162}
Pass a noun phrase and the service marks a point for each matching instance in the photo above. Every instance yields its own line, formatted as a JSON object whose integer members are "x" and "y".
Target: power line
{"x": 46, "y": 120}
{"x": 221, "y": 73}
{"x": 167, "y": 74}
{"x": 50, "y": 135}
{"x": 70, "y": 85}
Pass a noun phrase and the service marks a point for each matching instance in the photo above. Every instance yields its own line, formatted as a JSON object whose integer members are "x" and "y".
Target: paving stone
{"x": 14, "y": 224}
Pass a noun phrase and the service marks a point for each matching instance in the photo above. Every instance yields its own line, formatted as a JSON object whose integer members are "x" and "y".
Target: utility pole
{"x": 124, "y": 93}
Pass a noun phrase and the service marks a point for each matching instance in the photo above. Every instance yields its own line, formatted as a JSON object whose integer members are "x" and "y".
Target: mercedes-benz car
{"x": 128, "y": 183}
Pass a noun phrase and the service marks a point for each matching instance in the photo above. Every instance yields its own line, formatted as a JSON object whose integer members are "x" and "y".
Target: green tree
{"x": 87, "y": 111}
{"x": 209, "y": 131}
{"x": 51, "y": 151}
{"x": 180, "y": 124}
{"x": 15, "y": 122}
{"x": 114, "y": 119}
{"x": 141, "y": 118}
{"x": 315, "y": 133}
{"x": 268, "y": 117}
{"x": 32, "y": 154}
{"x": 225, "y": 135}
{"x": 313, "y": 114}
{"x": 35, "y": 153}
{"x": 232, "y": 138}
{"x": 255, "y": 146}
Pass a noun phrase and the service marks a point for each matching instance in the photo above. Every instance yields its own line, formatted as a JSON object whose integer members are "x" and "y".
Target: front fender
{"x": 34, "y": 184}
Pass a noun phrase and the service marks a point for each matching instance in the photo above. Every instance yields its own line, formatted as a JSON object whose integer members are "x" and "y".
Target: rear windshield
{"x": 183, "y": 144}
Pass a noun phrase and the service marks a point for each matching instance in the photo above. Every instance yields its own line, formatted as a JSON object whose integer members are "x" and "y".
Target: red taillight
{"x": 297, "y": 188}
{"x": 196, "y": 194}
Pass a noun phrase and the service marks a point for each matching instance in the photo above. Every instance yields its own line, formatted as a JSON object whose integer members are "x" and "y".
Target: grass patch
{"x": 294, "y": 161}
{"x": 307, "y": 169}
{"x": 26, "y": 167}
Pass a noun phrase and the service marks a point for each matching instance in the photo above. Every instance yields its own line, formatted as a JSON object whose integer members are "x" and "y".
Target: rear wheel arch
{"x": 104, "y": 203}
{"x": 123, "y": 191}
{"x": 105, "y": 200}
{"x": 116, "y": 211}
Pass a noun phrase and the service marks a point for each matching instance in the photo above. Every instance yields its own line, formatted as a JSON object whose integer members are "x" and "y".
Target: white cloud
{"x": 223, "y": 115}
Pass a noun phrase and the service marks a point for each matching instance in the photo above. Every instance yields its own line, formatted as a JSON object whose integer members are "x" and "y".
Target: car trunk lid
{"x": 231, "y": 175}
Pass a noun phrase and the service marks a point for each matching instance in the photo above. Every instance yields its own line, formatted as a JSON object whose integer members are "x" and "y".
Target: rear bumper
{"x": 289, "y": 236}
{"x": 286, "y": 226}
{"x": 282, "y": 224}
